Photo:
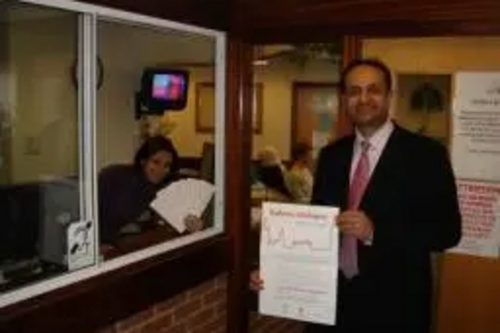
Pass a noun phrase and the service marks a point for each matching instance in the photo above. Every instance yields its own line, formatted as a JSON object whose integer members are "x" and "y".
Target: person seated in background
{"x": 271, "y": 172}
{"x": 299, "y": 179}
{"x": 126, "y": 191}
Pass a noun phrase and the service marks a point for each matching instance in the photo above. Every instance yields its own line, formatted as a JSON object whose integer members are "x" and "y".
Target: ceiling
{"x": 293, "y": 21}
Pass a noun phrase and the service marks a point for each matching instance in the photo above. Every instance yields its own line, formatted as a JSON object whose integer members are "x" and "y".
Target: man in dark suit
{"x": 398, "y": 199}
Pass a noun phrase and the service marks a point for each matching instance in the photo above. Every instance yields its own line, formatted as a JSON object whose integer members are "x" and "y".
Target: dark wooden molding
{"x": 197, "y": 12}
{"x": 351, "y": 49}
{"x": 282, "y": 21}
{"x": 387, "y": 29}
{"x": 238, "y": 153}
{"x": 100, "y": 301}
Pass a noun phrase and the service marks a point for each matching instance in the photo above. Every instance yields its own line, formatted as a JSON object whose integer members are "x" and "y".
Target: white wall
{"x": 43, "y": 103}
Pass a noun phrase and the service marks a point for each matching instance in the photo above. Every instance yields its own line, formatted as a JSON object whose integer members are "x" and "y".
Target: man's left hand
{"x": 357, "y": 224}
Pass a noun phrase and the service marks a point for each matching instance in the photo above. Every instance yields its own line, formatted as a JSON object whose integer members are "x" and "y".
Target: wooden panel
{"x": 351, "y": 50}
{"x": 238, "y": 148}
{"x": 306, "y": 12}
{"x": 197, "y": 12}
{"x": 319, "y": 20}
{"x": 469, "y": 296}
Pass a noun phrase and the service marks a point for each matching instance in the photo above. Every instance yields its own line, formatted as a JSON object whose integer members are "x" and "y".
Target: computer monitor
{"x": 207, "y": 172}
{"x": 60, "y": 204}
{"x": 34, "y": 218}
{"x": 19, "y": 222}
{"x": 207, "y": 165}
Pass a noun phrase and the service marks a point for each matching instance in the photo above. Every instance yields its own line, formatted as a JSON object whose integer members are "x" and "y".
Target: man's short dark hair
{"x": 374, "y": 63}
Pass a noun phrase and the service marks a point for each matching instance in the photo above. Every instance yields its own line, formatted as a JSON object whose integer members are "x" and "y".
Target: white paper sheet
{"x": 299, "y": 262}
{"x": 182, "y": 198}
{"x": 476, "y": 126}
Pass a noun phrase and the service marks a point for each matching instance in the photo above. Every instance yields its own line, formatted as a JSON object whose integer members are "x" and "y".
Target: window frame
{"x": 88, "y": 16}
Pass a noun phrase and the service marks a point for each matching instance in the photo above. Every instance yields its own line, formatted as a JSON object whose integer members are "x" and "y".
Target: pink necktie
{"x": 349, "y": 247}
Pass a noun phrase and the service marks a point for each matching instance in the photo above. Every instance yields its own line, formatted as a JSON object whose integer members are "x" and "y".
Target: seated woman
{"x": 125, "y": 191}
{"x": 299, "y": 179}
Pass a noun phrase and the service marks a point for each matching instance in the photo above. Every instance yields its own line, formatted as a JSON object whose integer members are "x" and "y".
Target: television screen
{"x": 164, "y": 89}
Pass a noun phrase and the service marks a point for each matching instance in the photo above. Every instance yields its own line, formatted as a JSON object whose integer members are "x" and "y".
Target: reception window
{"x": 101, "y": 164}
{"x": 147, "y": 144}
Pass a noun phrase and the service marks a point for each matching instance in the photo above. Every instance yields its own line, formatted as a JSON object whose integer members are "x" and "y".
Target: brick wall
{"x": 199, "y": 310}
{"x": 265, "y": 324}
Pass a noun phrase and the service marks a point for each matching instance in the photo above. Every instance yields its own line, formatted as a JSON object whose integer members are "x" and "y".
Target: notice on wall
{"x": 480, "y": 208}
{"x": 476, "y": 126}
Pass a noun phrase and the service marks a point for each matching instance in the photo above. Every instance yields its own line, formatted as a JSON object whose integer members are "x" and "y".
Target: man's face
{"x": 367, "y": 97}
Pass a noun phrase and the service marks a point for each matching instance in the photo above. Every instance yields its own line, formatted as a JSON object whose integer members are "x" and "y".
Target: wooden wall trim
{"x": 197, "y": 12}
{"x": 351, "y": 49}
{"x": 274, "y": 21}
{"x": 238, "y": 154}
{"x": 105, "y": 299}
{"x": 383, "y": 29}
{"x": 309, "y": 13}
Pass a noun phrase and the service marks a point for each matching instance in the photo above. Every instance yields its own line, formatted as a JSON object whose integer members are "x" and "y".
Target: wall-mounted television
{"x": 163, "y": 89}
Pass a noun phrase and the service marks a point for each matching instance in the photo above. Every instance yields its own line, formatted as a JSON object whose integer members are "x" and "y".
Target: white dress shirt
{"x": 377, "y": 144}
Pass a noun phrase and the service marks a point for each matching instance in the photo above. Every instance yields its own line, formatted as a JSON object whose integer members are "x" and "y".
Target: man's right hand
{"x": 256, "y": 282}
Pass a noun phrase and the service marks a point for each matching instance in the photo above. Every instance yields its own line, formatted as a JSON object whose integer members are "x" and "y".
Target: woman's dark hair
{"x": 374, "y": 63}
{"x": 154, "y": 145}
{"x": 300, "y": 150}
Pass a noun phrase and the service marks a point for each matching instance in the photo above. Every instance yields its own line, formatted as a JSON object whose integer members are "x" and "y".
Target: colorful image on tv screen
{"x": 168, "y": 86}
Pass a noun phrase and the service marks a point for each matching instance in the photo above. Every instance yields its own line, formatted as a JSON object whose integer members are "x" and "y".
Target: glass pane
{"x": 39, "y": 164}
{"x": 296, "y": 92}
{"x": 157, "y": 94}
{"x": 299, "y": 116}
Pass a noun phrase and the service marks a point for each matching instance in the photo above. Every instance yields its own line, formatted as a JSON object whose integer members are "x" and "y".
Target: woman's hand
{"x": 256, "y": 282}
{"x": 193, "y": 223}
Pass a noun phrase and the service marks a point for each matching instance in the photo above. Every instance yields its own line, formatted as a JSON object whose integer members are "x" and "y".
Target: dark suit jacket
{"x": 411, "y": 199}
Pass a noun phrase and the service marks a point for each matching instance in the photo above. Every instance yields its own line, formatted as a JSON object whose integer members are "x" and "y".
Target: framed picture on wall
{"x": 423, "y": 104}
{"x": 205, "y": 107}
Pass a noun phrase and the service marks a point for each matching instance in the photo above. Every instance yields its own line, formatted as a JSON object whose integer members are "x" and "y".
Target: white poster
{"x": 480, "y": 208}
{"x": 477, "y": 84}
{"x": 299, "y": 261}
{"x": 476, "y": 126}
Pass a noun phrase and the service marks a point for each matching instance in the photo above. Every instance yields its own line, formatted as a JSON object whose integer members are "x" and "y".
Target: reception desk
{"x": 130, "y": 243}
